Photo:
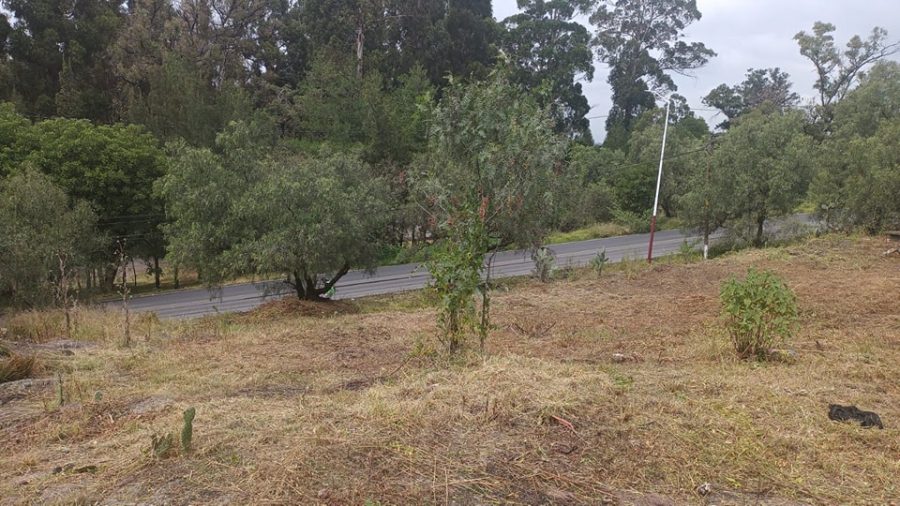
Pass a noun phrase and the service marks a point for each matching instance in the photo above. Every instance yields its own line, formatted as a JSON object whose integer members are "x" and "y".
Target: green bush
{"x": 760, "y": 313}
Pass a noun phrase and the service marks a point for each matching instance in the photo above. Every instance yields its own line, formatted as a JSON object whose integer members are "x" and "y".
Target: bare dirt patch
{"x": 617, "y": 390}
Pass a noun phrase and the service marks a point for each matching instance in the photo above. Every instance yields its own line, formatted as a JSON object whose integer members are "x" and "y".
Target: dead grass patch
{"x": 320, "y": 408}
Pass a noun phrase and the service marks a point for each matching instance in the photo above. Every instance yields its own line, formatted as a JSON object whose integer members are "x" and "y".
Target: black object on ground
{"x": 840, "y": 413}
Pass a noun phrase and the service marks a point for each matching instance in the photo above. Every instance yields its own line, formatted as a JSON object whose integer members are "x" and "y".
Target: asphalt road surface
{"x": 398, "y": 278}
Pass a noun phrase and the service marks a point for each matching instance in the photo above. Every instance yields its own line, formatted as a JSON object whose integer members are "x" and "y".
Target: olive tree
{"x": 760, "y": 170}
{"x": 492, "y": 162}
{"x": 857, "y": 170}
{"x": 242, "y": 210}
{"x": 44, "y": 238}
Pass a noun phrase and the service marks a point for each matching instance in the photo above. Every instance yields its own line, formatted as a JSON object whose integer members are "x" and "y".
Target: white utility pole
{"x": 662, "y": 155}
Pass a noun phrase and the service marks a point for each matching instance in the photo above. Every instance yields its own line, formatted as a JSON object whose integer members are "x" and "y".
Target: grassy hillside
{"x": 621, "y": 389}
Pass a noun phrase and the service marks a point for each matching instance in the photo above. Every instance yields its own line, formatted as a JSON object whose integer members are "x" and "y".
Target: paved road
{"x": 399, "y": 278}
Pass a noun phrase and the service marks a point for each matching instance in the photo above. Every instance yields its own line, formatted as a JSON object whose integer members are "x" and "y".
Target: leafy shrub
{"x": 760, "y": 313}
{"x": 543, "y": 264}
{"x": 688, "y": 250}
{"x": 634, "y": 222}
{"x": 456, "y": 265}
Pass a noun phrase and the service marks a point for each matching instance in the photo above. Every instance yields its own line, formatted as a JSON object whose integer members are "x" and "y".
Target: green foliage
{"x": 162, "y": 445}
{"x": 187, "y": 430}
{"x": 41, "y": 232}
{"x": 866, "y": 195}
{"x": 549, "y": 52}
{"x": 456, "y": 265}
{"x": 493, "y": 149}
{"x": 595, "y": 231}
{"x": 582, "y": 195}
{"x": 641, "y": 41}
{"x": 761, "y": 86}
{"x": 688, "y": 250}
{"x": 58, "y": 57}
{"x": 760, "y": 313}
{"x": 111, "y": 168}
{"x": 635, "y": 223}
{"x": 760, "y": 170}
{"x": 544, "y": 264}
{"x": 492, "y": 160}
{"x": 838, "y": 71}
{"x": 334, "y": 104}
{"x": 856, "y": 184}
{"x": 245, "y": 209}
{"x": 636, "y": 183}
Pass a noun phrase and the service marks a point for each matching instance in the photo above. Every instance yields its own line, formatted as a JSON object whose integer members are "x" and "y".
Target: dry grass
{"x": 15, "y": 367}
{"x": 592, "y": 391}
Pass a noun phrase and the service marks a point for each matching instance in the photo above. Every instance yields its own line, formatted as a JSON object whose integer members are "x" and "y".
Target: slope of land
{"x": 620, "y": 389}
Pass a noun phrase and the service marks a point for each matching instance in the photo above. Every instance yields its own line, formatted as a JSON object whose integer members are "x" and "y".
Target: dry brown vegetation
{"x": 621, "y": 389}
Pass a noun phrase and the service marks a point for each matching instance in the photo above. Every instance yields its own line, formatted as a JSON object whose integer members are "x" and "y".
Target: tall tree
{"x": 641, "y": 42}
{"x": 837, "y": 72}
{"x": 59, "y": 56}
{"x": 551, "y": 52}
{"x": 635, "y": 183}
{"x": 760, "y": 86}
{"x": 857, "y": 174}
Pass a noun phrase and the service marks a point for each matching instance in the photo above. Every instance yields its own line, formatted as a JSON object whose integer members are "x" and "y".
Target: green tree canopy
{"x": 43, "y": 235}
{"x": 856, "y": 173}
{"x": 550, "y": 52}
{"x": 240, "y": 209}
{"x": 836, "y": 71}
{"x": 493, "y": 163}
{"x": 635, "y": 183}
{"x": 761, "y": 86}
{"x": 58, "y": 56}
{"x": 760, "y": 170}
{"x": 641, "y": 42}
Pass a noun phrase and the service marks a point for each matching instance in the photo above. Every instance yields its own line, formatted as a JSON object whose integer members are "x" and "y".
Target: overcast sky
{"x": 751, "y": 33}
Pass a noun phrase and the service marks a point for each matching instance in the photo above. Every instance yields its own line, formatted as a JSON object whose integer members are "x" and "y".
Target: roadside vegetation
{"x": 582, "y": 394}
{"x": 209, "y": 141}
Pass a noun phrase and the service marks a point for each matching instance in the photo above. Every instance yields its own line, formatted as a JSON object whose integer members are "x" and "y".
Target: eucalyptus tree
{"x": 492, "y": 163}
{"x": 642, "y": 43}
{"x": 550, "y": 53}
{"x": 837, "y": 71}
{"x": 760, "y": 86}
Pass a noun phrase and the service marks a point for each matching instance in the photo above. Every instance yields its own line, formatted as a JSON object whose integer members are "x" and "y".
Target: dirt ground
{"x": 617, "y": 390}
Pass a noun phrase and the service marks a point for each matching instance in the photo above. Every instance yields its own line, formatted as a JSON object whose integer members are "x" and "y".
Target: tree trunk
{"x": 307, "y": 287}
{"x": 156, "y": 271}
{"x": 760, "y": 221}
{"x": 175, "y": 276}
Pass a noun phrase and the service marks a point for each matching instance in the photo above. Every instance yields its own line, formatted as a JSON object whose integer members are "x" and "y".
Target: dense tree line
{"x": 309, "y": 138}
